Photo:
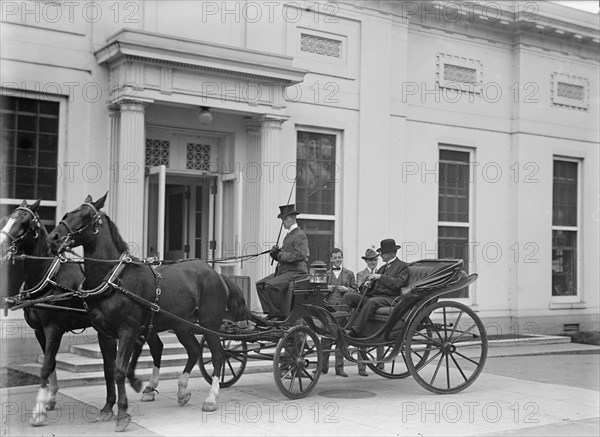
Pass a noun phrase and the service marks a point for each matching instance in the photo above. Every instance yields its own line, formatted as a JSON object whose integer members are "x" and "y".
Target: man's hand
{"x": 374, "y": 276}
{"x": 275, "y": 253}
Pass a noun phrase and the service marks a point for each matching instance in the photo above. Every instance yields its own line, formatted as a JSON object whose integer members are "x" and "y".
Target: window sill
{"x": 567, "y": 305}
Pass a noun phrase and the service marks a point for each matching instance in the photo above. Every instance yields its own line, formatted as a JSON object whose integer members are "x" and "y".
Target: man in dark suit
{"x": 340, "y": 281}
{"x": 381, "y": 288}
{"x": 291, "y": 260}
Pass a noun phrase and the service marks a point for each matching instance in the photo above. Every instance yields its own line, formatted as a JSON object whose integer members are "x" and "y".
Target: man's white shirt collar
{"x": 294, "y": 226}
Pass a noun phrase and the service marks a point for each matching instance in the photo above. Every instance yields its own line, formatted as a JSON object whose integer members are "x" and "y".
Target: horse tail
{"x": 236, "y": 304}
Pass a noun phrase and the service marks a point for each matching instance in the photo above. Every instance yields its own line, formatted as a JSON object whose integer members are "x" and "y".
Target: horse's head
{"x": 22, "y": 228}
{"x": 78, "y": 226}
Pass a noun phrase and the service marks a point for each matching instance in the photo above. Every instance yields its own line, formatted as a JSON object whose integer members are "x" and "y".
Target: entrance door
{"x": 180, "y": 219}
{"x": 177, "y": 222}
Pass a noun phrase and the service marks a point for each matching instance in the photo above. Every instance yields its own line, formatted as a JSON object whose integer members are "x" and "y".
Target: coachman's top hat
{"x": 370, "y": 254}
{"x": 286, "y": 210}
{"x": 388, "y": 245}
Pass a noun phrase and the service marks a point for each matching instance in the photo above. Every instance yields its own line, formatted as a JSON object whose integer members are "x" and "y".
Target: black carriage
{"x": 441, "y": 343}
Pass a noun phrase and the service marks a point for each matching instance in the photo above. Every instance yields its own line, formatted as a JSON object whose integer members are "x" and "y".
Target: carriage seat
{"x": 416, "y": 272}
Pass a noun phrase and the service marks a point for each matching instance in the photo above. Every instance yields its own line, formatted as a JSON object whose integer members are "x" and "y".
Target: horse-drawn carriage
{"x": 441, "y": 343}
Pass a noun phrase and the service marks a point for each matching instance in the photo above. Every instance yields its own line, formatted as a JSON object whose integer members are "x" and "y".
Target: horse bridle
{"x": 35, "y": 225}
{"x": 96, "y": 221}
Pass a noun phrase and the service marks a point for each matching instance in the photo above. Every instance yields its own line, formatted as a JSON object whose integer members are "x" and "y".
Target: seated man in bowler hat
{"x": 381, "y": 288}
{"x": 291, "y": 260}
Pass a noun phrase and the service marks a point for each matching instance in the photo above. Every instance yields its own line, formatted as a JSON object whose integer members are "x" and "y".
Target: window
{"x": 315, "y": 190}
{"x": 453, "y": 209}
{"x": 564, "y": 228}
{"x": 29, "y": 155}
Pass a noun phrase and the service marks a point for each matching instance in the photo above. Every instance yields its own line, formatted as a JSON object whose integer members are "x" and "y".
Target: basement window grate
{"x": 571, "y": 328}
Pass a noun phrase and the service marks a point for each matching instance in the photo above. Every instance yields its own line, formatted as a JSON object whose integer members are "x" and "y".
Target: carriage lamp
{"x": 318, "y": 273}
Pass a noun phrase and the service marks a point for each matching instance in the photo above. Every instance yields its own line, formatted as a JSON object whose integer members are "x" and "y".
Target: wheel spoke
{"x": 436, "y": 369}
{"x": 447, "y": 372}
{"x": 465, "y": 332}
{"x": 459, "y": 368}
{"x": 455, "y": 325}
{"x": 467, "y": 358}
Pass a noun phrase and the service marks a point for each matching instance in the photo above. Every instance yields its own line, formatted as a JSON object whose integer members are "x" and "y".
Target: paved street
{"x": 545, "y": 395}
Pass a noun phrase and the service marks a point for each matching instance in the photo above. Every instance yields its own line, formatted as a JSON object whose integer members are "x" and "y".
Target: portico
{"x": 158, "y": 85}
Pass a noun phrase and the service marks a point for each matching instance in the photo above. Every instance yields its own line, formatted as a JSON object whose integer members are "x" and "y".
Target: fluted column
{"x": 269, "y": 188}
{"x": 251, "y": 174}
{"x": 115, "y": 121}
{"x": 129, "y": 178}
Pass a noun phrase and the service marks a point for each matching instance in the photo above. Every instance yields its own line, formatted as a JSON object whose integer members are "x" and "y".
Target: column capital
{"x": 114, "y": 110}
{"x": 270, "y": 121}
{"x": 252, "y": 125}
{"x": 132, "y": 104}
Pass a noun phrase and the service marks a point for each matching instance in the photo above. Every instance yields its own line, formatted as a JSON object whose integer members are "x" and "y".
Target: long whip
{"x": 281, "y": 227}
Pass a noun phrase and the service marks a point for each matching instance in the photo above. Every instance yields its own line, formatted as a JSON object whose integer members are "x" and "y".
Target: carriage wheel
{"x": 234, "y": 361}
{"x": 297, "y": 362}
{"x": 397, "y": 368}
{"x": 454, "y": 341}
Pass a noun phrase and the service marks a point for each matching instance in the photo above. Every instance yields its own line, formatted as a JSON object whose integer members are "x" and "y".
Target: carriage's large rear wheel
{"x": 446, "y": 347}
{"x": 235, "y": 357}
{"x": 297, "y": 362}
{"x": 397, "y": 368}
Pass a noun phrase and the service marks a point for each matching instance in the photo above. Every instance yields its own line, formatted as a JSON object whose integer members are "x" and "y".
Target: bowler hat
{"x": 370, "y": 254}
{"x": 388, "y": 245}
{"x": 286, "y": 210}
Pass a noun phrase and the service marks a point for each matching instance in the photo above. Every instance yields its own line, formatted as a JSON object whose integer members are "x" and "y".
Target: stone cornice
{"x": 511, "y": 17}
{"x": 173, "y": 52}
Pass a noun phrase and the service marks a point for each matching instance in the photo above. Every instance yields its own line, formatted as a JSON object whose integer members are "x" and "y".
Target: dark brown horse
{"x": 45, "y": 277}
{"x": 128, "y": 299}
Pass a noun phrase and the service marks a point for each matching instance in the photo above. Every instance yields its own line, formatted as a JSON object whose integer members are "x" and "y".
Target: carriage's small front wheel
{"x": 446, "y": 347}
{"x": 297, "y": 362}
{"x": 235, "y": 356}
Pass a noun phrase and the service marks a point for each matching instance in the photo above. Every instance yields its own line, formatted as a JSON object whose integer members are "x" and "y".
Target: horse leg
{"x": 156, "y": 350}
{"x": 135, "y": 383}
{"x": 108, "y": 347}
{"x": 192, "y": 347}
{"x": 39, "y": 413}
{"x": 216, "y": 350}
{"x": 46, "y": 398}
{"x": 126, "y": 346}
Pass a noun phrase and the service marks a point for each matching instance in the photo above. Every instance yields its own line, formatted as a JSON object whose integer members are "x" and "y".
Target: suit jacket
{"x": 294, "y": 253}
{"x": 346, "y": 279}
{"x": 394, "y": 276}
{"x": 362, "y": 276}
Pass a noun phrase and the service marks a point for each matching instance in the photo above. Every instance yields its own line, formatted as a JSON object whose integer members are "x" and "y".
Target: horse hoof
{"x": 136, "y": 384}
{"x": 209, "y": 406}
{"x": 148, "y": 394}
{"x": 105, "y": 416}
{"x": 38, "y": 419}
{"x": 182, "y": 400}
{"x": 123, "y": 423}
{"x": 51, "y": 405}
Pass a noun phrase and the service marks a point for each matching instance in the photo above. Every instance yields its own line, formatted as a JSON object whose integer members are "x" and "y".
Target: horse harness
{"x": 34, "y": 226}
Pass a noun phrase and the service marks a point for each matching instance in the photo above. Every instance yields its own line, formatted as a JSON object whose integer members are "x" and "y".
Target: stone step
{"x": 92, "y": 350}
{"x": 83, "y": 365}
